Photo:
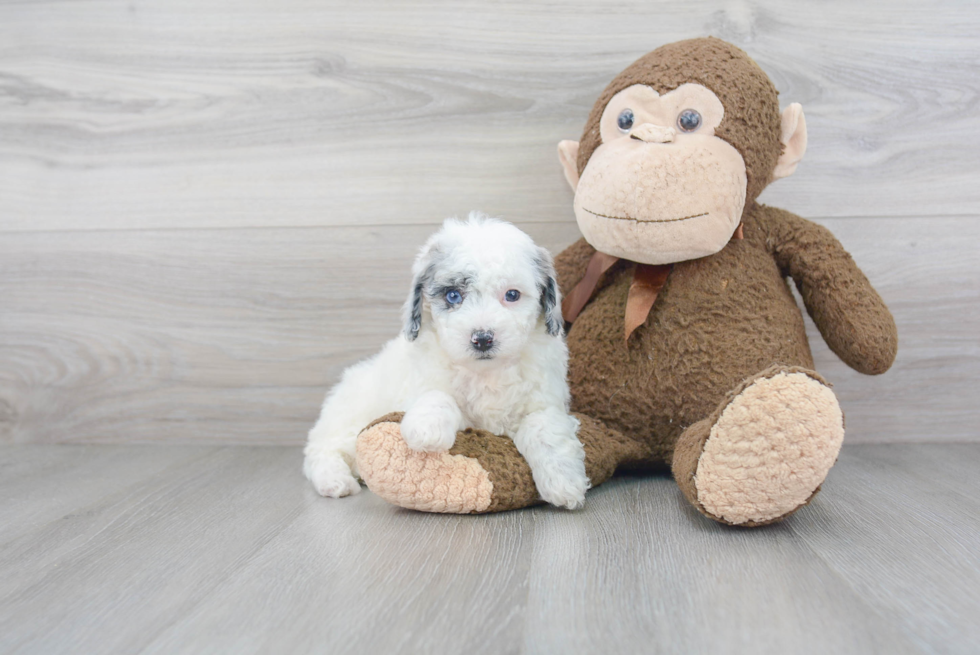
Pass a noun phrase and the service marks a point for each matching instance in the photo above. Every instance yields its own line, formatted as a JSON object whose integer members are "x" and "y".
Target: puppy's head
{"x": 484, "y": 288}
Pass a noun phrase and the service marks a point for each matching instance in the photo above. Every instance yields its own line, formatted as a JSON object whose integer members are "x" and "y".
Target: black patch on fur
{"x": 548, "y": 289}
{"x": 413, "y": 316}
{"x": 437, "y": 292}
{"x": 414, "y": 322}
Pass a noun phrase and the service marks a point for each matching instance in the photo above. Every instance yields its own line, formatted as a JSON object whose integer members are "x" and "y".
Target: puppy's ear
{"x": 550, "y": 295}
{"x": 423, "y": 271}
{"x": 413, "y": 310}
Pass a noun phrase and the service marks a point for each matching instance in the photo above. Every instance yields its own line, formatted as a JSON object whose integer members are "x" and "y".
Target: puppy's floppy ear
{"x": 413, "y": 309}
{"x": 550, "y": 295}
{"x": 423, "y": 271}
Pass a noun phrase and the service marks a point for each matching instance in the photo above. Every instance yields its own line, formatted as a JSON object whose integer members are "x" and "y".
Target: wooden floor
{"x": 169, "y": 549}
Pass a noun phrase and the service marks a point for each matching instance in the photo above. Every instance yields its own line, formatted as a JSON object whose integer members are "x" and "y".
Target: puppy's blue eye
{"x": 513, "y": 295}
{"x": 689, "y": 120}
{"x": 625, "y": 120}
{"x": 454, "y": 297}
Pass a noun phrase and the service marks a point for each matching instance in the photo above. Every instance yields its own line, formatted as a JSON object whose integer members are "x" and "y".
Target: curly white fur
{"x": 440, "y": 374}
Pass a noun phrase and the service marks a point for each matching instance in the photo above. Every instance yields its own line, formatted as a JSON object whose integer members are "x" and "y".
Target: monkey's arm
{"x": 849, "y": 313}
{"x": 570, "y": 265}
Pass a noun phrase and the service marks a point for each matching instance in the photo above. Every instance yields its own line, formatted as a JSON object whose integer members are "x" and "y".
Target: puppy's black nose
{"x": 482, "y": 341}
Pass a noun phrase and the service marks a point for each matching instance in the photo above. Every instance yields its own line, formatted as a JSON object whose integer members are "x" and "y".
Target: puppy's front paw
{"x": 330, "y": 475}
{"x": 562, "y": 484}
{"x": 428, "y": 430}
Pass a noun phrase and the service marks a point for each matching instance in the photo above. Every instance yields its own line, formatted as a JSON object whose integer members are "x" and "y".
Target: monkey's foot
{"x": 482, "y": 472}
{"x": 765, "y": 451}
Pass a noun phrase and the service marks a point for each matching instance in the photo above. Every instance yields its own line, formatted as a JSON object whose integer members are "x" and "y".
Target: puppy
{"x": 482, "y": 347}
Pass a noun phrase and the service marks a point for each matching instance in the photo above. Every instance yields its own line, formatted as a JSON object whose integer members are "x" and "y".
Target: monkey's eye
{"x": 454, "y": 297}
{"x": 625, "y": 120}
{"x": 513, "y": 295}
{"x": 689, "y": 120}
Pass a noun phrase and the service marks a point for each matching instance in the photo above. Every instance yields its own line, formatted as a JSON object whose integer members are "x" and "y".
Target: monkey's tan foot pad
{"x": 770, "y": 448}
{"x": 482, "y": 472}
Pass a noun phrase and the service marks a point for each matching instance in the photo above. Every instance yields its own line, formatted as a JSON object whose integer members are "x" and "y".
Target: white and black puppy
{"x": 482, "y": 347}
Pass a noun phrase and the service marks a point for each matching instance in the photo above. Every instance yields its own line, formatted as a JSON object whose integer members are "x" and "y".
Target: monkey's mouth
{"x": 645, "y": 220}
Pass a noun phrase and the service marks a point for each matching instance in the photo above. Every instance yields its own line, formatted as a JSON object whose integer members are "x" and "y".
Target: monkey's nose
{"x": 482, "y": 340}
{"x": 653, "y": 133}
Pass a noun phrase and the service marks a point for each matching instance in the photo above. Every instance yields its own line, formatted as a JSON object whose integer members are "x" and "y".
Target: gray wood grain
{"x": 220, "y": 113}
{"x": 207, "y": 209}
{"x": 74, "y": 478}
{"x": 907, "y": 531}
{"x": 230, "y": 550}
{"x": 229, "y": 336}
{"x": 147, "y": 550}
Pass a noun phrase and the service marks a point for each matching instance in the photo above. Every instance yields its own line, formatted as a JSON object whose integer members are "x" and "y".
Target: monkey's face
{"x": 661, "y": 187}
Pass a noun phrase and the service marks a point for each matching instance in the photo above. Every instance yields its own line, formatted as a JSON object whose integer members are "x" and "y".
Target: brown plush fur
{"x": 605, "y": 451}
{"x": 718, "y": 321}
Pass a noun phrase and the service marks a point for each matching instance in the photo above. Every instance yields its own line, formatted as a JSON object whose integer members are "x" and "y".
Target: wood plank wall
{"x": 208, "y": 207}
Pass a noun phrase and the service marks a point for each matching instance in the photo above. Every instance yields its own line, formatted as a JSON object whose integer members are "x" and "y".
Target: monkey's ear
{"x": 550, "y": 295}
{"x": 793, "y": 138}
{"x": 568, "y": 155}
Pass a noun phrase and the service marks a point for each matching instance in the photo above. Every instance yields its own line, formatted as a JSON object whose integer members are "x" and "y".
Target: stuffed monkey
{"x": 687, "y": 347}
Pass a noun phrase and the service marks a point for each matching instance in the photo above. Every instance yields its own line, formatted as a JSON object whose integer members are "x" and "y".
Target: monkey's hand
{"x": 849, "y": 313}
